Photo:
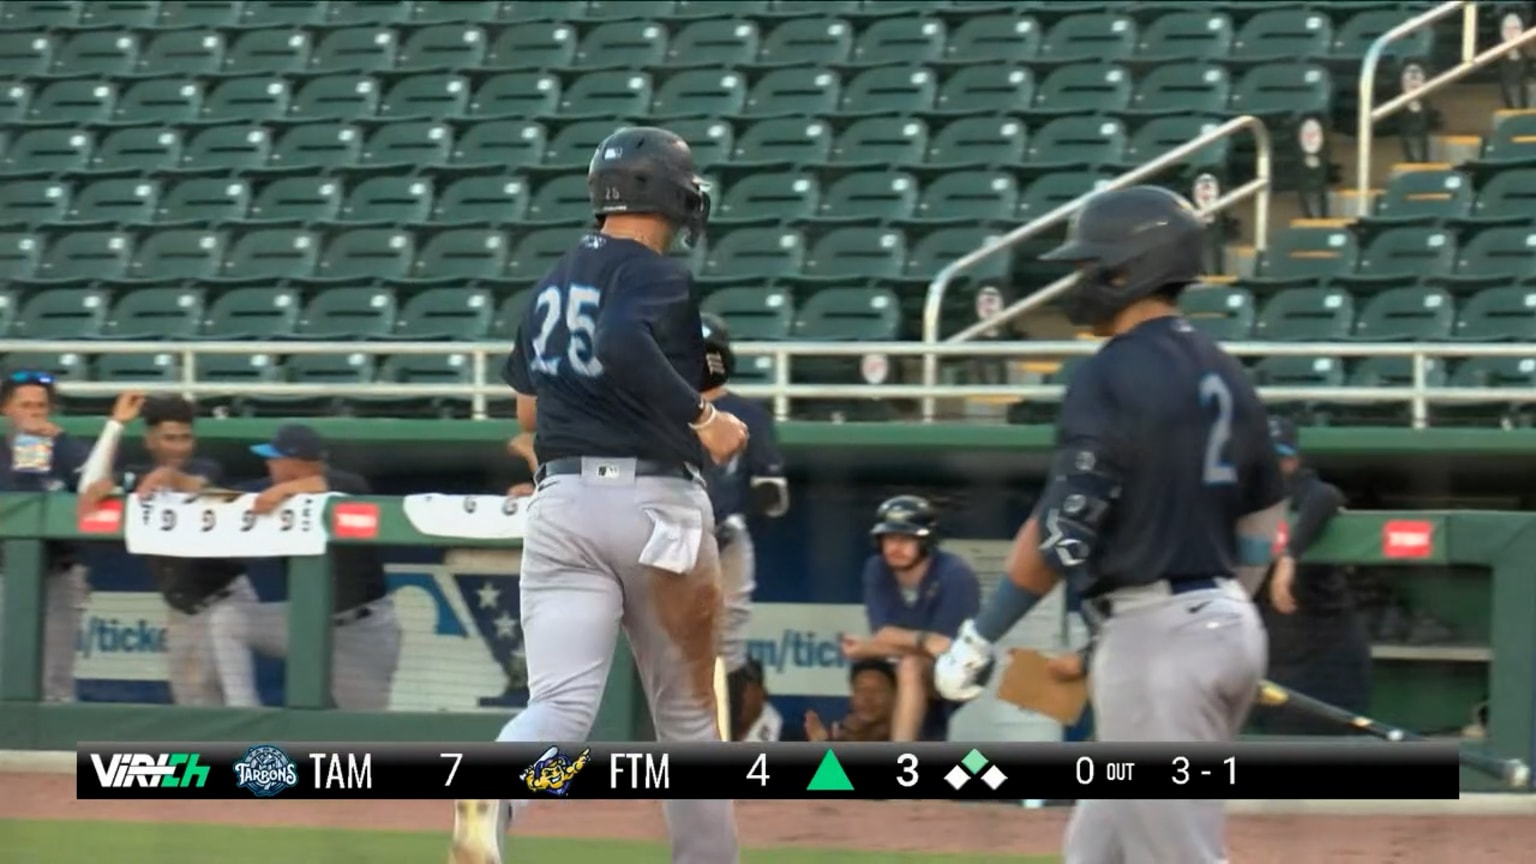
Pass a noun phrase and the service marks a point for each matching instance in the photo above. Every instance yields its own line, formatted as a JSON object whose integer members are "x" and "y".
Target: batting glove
{"x": 960, "y": 674}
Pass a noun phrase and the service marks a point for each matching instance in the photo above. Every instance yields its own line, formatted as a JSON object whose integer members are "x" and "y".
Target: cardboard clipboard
{"x": 1029, "y": 684}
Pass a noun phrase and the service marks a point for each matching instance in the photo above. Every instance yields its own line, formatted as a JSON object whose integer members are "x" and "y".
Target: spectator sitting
{"x": 871, "y": 702}
{"x": 752, "y": 715}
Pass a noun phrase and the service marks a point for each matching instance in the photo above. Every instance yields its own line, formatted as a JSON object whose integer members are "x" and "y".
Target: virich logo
{"x": 142, "y": 769}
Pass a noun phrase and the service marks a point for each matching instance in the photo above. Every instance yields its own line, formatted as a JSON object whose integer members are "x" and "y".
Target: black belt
{"x": 1183, "y": 585}
{"x": 353, "y": 615}
{"x": 643, "y": 468}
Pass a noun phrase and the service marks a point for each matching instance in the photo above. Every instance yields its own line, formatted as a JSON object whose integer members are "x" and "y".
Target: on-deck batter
{"x": 607, "y": 366}
{"x": 1160, "y": 511}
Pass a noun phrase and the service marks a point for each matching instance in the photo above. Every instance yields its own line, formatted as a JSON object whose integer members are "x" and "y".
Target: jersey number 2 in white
{"x": 575, "y": 307}
{"x": 1218, "y": 471}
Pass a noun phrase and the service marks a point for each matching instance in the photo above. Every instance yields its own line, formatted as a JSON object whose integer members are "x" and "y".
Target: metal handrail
{"x": 1370, "y": 113}
{"x": 1258, "y": 188}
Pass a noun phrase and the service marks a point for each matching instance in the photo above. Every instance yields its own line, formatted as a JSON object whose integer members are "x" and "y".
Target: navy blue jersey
{"x": 1183, "y": 429}
{"x": 612, "y": 347}
{"x": 730, "y": 485}
{"x": 948, "y": 594}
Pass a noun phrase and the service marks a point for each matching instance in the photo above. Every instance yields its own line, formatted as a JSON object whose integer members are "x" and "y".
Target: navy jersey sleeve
{"x": 69, "y": 456}
{"x": 1265, "y": 485}
{"x": 959, "y": 598}
{"x": 763, "y": 457}
{"x": 876, "y": 606}
{"x": 207, "y": 469}
{"x": 1317, "y": 507}
{"x": 1087, "y": 421}
{"x": 346, "y": 482}
{"x": 515, "y": 370}
{"x": 649, "y": 292}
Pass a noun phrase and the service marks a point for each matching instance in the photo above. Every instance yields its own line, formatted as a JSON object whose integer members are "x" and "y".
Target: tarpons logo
{"x": 142, "y": 769}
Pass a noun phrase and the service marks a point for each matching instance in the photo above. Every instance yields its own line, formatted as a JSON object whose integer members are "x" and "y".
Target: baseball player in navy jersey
{"x": 607, "y": 368}
{"x": 752, "y": 482}
{"x": 1160, "y": 512}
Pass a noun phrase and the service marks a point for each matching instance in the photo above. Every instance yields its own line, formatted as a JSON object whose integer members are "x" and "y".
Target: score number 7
{"x": 457, "y": 758}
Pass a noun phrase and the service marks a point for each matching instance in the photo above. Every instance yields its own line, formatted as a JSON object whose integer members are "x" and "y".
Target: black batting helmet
{"x": 644, "y": 169}
{"x": 1137, "y": 241}
{"x": 908, "y": 515}
{"x": 719, "y": 360}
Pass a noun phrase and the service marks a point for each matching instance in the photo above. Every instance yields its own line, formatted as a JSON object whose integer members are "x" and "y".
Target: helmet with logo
{"x": 645, "y": 169}
{"x": 909, "y": 516}
{"x": 719, "y": 360}
{"x": 1135, "y": 242}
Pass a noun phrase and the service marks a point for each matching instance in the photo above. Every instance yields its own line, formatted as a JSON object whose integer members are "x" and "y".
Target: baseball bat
{"x": 722, "y": 700}
{"x": 1512, "y": 772}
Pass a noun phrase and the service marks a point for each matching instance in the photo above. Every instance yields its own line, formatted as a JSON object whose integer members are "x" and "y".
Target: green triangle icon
{"x": 829, "y": 776}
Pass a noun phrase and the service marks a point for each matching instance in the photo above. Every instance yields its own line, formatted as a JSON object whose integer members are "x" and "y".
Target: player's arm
{"x": 626, "y": 345}
{"x": 1322, "y": 502}
{"x": 96, "y": 476}
{"x": 1264, "y": 491}
{"x": 770, "y": 491}
{"x": 879, "y": 614}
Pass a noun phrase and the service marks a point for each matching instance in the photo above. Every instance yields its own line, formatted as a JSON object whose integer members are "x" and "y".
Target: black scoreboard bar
{"x": 987, "y": 771}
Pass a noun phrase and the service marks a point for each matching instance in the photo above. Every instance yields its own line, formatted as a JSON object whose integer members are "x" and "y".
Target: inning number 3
{"x": 575, "y": 305}
{"x": 1218, "y": 471}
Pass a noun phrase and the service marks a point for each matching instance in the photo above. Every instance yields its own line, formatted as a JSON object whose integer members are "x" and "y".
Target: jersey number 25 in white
{"x": 575, "y": 305}
{"x": 1218, "y": 471}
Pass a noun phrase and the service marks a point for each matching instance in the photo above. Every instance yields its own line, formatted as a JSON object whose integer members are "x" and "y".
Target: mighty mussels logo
{"x": 266, "y": 770}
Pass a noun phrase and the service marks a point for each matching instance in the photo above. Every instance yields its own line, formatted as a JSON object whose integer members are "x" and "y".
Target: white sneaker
{"x": 475, "y": 826}
{"x": 960, "y": 674}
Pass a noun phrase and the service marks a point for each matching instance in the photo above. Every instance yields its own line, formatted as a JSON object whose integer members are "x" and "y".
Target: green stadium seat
{"x": 1411, "y": 314}
{"x": 312, "y": 146}
{"x": 1188, "y": 35}
{"x": 532, "y": 46}
{"x": 1505, "y": 199}
{"x": 234, "y": 369}
{"x": 855, "y": 253}
{"x": 354, "y": 49}
{"x": 444, "y": 46}
{"x": 272, "y": 254}
{"x": 889, "y": 89}
{"x": 1305, "y": 255}
{"x": 563, "y": 199}
{"x": 1306, "y": 315}
{"x": 524, "y": 11}
{"x": 1284, "y": 90}
{"x": 200, "y": 14}
{"x": 14, "y": 102}
{"x": 620, "y": 9}
{"x": 33, "y": 202}
{"x": 8, "y": 305}
{"x": 1422, "y": 197}
{"x": 348, "y": 313}
{"x": 1510, "y": 144}
{"x": 40, "y": 14}
{"x": 689, "y": 9}
{"x": 518, "y": 95}
{"x": 606, "y": 95}
{"x": 47, "y": 151}
{"x": 156, "y": 313}
{"x": 1283, "y": 34}
{"x": 388, "y": 200}
{"x": 975, "y": 197}
{"x": 137, "y": 150}
{"x": 1224, "y": 313}
{"x": 366, "y": 254}
{"x": 700, "y": 93}
{"x": 768, "y": 197}
{"x": 782, "y": 142}
{"x": 438, "y": 370}
{"x": 355, "y": 12}
{"x": 182, "y": 53}
{"x": 324, "y": 371}
{"x": 627, "y": 44}
{"x": 461, "y": 255}
{"x": 1090, "y": 37}
{"x": 123, "y": 14}
{"x": 509, "y": 315}
{"x": 1494, "y": 256}
{"x": 1355, "y": 37}
{"x": 481, "y": 201}
{"x": 938, "y": 249}
{"x": 753, "y": 257}
{"x": 572, "y": 147}
{"x": 63, "y": 314}
{"x": 995, "y": 39}
{"x": 1083, "y": 88}
{"x": 900, "y": 40}
{"x": 876, "y": 142}
{"x": 259, "y": 312}
{"x": 95, "y": 54}
{"x": 988, "y": 88}
{"x": 1053, "y": 190}
{"x": 1297, "y": 372}
{"x": 205, "y": 200}
{"x": 445, "y": 313}
{"x": 1490, "y": 373}
{"x": 808, "y": 41}
{"x": 711, "y": 140}
{"x": 254, "y": 99}
{"x": 82, "y": 257}
{"x": 1381, "y": 372}
{"x": 1162, "y": 134}
{"x": 20, "y": 254}
{"x": 129, "y": 371}
{"x": 407, "y": 145}
{"x": 178, "y": 254}
{"x": 794, "y": 92}
{"x": 866, "y": 314}
{"x": 335, "y": 97}
{"x": 1183, "y": 88}
{"x": 869, "y": 196}
{"x": 161, "y": 102}
{"x": 1500, "y": 314}
{"x": 974, "y": 142}
{"x": 753, "y": 313}
{"x": 1401, "y": 256}
{"x": 62, "y": 365}
{"x": 816, "y": 7}
{"x": 728, "y": 41}
{"x": 115, "y": 202}
{"x": 509, "y": 144}
{"x": 277, "y": 14}
{"x": 1075, "y": 143}
{"x": 433, "y": 96}
{"x": 268, "y": 52}
{"x": 469, "y": 11}
{"x": 226, "y": 149}
{"x": 304, "y": 198}
{"x": 26, "y": 54}
{"x": 73, "y": 102}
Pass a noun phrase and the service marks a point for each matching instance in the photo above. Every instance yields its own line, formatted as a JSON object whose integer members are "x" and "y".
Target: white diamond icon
{"x": 957, "y": 777}
{"x": 993, "y": 778}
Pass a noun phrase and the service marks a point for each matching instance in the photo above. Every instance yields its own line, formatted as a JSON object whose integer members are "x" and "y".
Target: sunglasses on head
{"x": 42, "y": 378}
